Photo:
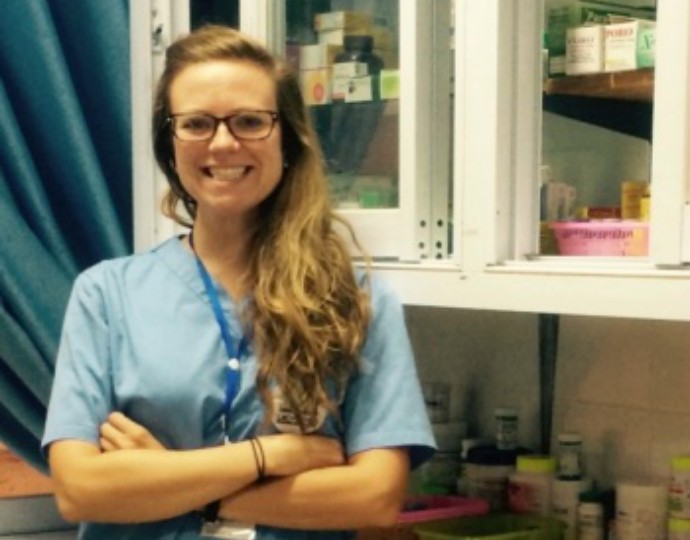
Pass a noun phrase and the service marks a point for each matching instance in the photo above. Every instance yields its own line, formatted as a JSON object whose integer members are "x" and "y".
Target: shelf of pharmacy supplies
{"x": 621, "y": 101}
{"x": 636, "y": 85}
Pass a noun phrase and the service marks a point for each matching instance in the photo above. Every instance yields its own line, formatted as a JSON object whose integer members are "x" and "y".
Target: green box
{"x": 390, "y": 84}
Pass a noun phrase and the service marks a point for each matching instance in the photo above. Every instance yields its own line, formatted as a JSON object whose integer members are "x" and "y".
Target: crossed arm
{"x": 311, "y": 485}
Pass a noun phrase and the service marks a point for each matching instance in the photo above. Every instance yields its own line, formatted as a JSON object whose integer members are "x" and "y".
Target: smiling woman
{"x": 246, "y": 368}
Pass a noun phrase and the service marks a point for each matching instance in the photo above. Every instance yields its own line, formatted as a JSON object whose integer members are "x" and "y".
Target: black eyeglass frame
{"x": 225, "y": 120}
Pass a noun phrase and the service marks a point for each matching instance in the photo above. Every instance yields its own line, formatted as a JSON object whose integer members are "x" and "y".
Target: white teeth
{"x": 227, "y": 173}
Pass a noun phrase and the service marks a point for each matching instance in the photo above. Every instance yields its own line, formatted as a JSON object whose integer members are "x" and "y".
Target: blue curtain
{"x": 65, "y": 183}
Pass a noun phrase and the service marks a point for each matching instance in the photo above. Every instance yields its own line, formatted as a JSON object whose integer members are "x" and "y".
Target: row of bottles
{"x": 515, "y": 479}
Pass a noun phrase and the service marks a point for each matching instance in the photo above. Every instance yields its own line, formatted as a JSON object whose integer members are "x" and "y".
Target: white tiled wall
{"x": 623, "y": 384}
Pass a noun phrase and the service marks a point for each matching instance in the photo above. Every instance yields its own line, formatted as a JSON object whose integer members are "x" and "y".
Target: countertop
{"x": 56, "y": 535}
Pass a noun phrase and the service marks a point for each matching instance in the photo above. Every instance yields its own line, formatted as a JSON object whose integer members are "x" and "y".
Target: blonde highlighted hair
{"x": 309, "y": 314}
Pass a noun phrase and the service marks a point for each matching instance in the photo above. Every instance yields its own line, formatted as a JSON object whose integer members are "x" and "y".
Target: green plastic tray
{"x": 492, "y": 527}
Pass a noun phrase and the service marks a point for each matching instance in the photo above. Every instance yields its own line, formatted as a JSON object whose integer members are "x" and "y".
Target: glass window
{"x": 346, "y": 54}
{"x": 595, "y": 174}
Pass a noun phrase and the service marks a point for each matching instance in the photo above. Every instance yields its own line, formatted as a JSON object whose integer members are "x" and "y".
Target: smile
{"x": 226, "y": 174}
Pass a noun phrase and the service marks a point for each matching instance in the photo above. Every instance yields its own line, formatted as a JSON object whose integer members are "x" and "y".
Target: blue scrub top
{"x": 139, "y": 336}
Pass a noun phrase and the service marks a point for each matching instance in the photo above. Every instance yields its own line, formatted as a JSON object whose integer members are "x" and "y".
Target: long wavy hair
{"x": 309, "y": 313}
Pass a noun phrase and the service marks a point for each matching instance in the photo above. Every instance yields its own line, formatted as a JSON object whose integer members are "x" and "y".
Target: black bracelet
{"x": 210, "y": 513}
{"x": 258, "y": 458}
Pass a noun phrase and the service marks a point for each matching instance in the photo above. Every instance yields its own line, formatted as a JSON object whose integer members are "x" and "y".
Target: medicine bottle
{"x": 569, "y": 456}
{"x": 565, "y": 498}
{"x": 529, "y": 488}
{"x": 506, "y": 419}
{"x": 641, "y": 510}
{"x": 678, "y": 529}
{"x": 679, "y": 488}
{"x": 486, "y": 471}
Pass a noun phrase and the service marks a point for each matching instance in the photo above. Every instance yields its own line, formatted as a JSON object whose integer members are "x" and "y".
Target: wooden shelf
{"x": 637, "y": 85}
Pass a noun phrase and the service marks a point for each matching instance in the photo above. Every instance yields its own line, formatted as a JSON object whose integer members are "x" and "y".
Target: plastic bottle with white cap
{"x": 679, "y": 488}
{"x": 641, "y": 507}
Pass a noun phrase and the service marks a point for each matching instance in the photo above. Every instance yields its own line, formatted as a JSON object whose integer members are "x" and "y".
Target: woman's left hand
{"x": 119, "y": 432}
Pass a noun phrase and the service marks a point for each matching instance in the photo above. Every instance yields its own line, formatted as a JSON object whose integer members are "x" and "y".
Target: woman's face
{"x": 226, "y": 176}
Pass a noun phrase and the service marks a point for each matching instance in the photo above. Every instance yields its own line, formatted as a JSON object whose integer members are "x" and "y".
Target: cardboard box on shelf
{"x": 317, "y": 56}
{"x": 579, "y": 13}
{"x": 333, "y": 36}
{"x": 316, "y": 86}
{"x": 353, "y": 21}
{"x": 629, "y": 44}
{"x": 360, "y": 89}
{"x": 584, "y": 50}
{"x": 344, "y": 70}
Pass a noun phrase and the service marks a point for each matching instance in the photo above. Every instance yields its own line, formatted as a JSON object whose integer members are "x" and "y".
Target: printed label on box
{"x": 344, "y": 70}
{"x": 629, "y": 45}
{"x": 584, "y": 50}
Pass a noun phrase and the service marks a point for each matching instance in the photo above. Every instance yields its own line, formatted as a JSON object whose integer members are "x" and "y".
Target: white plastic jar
{"x": 565, "y": 497}
{"x": 679, "y": 488}
{"x": 590, "y": 521}
{"x": 641, "y": 508}
{"x": 529, "y": 488}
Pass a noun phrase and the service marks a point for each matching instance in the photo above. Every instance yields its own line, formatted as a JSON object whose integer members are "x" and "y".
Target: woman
{"x": 245, "y": 368}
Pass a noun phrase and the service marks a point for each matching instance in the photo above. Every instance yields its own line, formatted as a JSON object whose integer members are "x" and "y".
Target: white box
{"x": 355, "y": 21}
{"x": 574, "y": 13}
{"x": 344, "y": 70}
{"x": 334, "y": 36}
{"x": 584, "y": 50}
{"x": 359, "y": 89}
{"x": 320, "y": 55}
{"x": 629, "y": 45}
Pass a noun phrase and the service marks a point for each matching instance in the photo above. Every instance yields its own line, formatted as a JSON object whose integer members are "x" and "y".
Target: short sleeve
{"x": 384, "y": 406}
{"x": 81, "y": 396}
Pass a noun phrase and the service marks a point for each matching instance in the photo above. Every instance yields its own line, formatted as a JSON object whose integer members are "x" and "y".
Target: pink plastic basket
{"x": 611, "y": 238}
{"x": 433, "y": 507}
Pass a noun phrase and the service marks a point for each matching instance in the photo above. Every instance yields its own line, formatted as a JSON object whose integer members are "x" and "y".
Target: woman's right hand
{"x": 287, "y": 454}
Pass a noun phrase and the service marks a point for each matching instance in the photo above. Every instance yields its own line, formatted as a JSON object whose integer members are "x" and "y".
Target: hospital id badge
{"x": 233, "y": 530}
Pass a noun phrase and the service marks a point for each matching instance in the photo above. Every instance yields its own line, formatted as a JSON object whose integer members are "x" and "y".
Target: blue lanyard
{"x": 232, "y": 371}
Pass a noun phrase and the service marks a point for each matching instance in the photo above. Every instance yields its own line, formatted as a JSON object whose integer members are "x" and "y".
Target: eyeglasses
{"x": 244, "y": 125}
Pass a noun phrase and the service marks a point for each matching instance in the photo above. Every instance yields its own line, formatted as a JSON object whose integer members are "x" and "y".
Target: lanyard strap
{"x": 232, "y": 372}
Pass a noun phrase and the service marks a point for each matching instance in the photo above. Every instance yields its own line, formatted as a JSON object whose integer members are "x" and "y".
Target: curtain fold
{"x": 65, "y": 183}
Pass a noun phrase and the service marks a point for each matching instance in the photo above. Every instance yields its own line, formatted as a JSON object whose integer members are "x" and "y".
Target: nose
{"x": 223, "y": 137}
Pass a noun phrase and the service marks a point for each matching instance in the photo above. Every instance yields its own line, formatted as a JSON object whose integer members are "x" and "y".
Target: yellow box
{"x": 632, "y": 193}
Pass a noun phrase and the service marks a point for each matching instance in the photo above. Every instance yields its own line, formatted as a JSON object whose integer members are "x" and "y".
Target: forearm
{"x": 146, "y": 485}
{"x": 367, "y": 492}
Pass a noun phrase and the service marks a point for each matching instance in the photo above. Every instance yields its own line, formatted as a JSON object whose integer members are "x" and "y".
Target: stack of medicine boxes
{"x": 591, "y": 37}
{"x": 322, "y": 80}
